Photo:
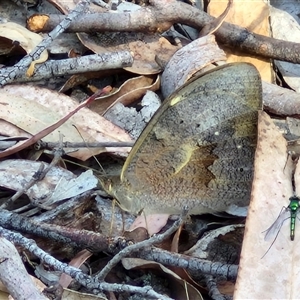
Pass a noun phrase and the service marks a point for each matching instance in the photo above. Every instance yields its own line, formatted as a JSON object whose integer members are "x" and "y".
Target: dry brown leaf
{"x": 79, "y": 259}
{"x": 252, "y": 15}
{"x": 130, "y": 91}
{"x": 274, "y": 276}
{"x": 34, "y": 108}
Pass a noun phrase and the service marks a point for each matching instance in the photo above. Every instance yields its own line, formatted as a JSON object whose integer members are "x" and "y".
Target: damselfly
{"x": 286, "y": 213}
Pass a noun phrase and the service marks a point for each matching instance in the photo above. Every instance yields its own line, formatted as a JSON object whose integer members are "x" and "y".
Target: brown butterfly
{"x": 198, "y": 149}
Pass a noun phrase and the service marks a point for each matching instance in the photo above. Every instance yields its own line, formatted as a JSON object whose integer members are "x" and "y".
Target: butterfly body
{"x": 198, "y": 149}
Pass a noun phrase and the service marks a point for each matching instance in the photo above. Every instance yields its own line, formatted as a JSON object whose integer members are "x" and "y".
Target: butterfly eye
{"x": 140, "y": 212}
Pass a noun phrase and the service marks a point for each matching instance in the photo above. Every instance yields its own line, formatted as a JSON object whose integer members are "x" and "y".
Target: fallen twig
{"x": 187, "y": 262}
{"x": 70, "y": 66}
{"x": 50, "y": 145}
{"x": 88, "y": 281}
{"x": 163, "y": 14}
{"x": 214, "y": 292}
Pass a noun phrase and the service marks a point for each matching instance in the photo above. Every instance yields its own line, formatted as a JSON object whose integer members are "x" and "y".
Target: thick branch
{"x": 162, "y": 15}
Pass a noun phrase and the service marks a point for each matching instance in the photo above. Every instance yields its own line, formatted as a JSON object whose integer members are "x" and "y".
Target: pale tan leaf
{"x": 153, "y": 223}
{"x": 274, "y": 275}
{"x": 34, "y": 108}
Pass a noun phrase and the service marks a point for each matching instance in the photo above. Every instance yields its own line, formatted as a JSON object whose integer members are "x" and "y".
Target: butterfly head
{"x": 121, "y": 191}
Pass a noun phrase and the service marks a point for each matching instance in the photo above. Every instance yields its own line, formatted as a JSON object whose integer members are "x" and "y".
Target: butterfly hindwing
{"x": 198, "y": 149}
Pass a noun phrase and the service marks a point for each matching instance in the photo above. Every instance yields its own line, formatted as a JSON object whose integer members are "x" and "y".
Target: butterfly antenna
{"x": 146, "y": 221}
{"x": 113, "y": 217}
{"x": 89, "y": 149}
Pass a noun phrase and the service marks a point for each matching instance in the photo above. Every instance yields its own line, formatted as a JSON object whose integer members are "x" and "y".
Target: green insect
{"x": 287, "y": 212}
